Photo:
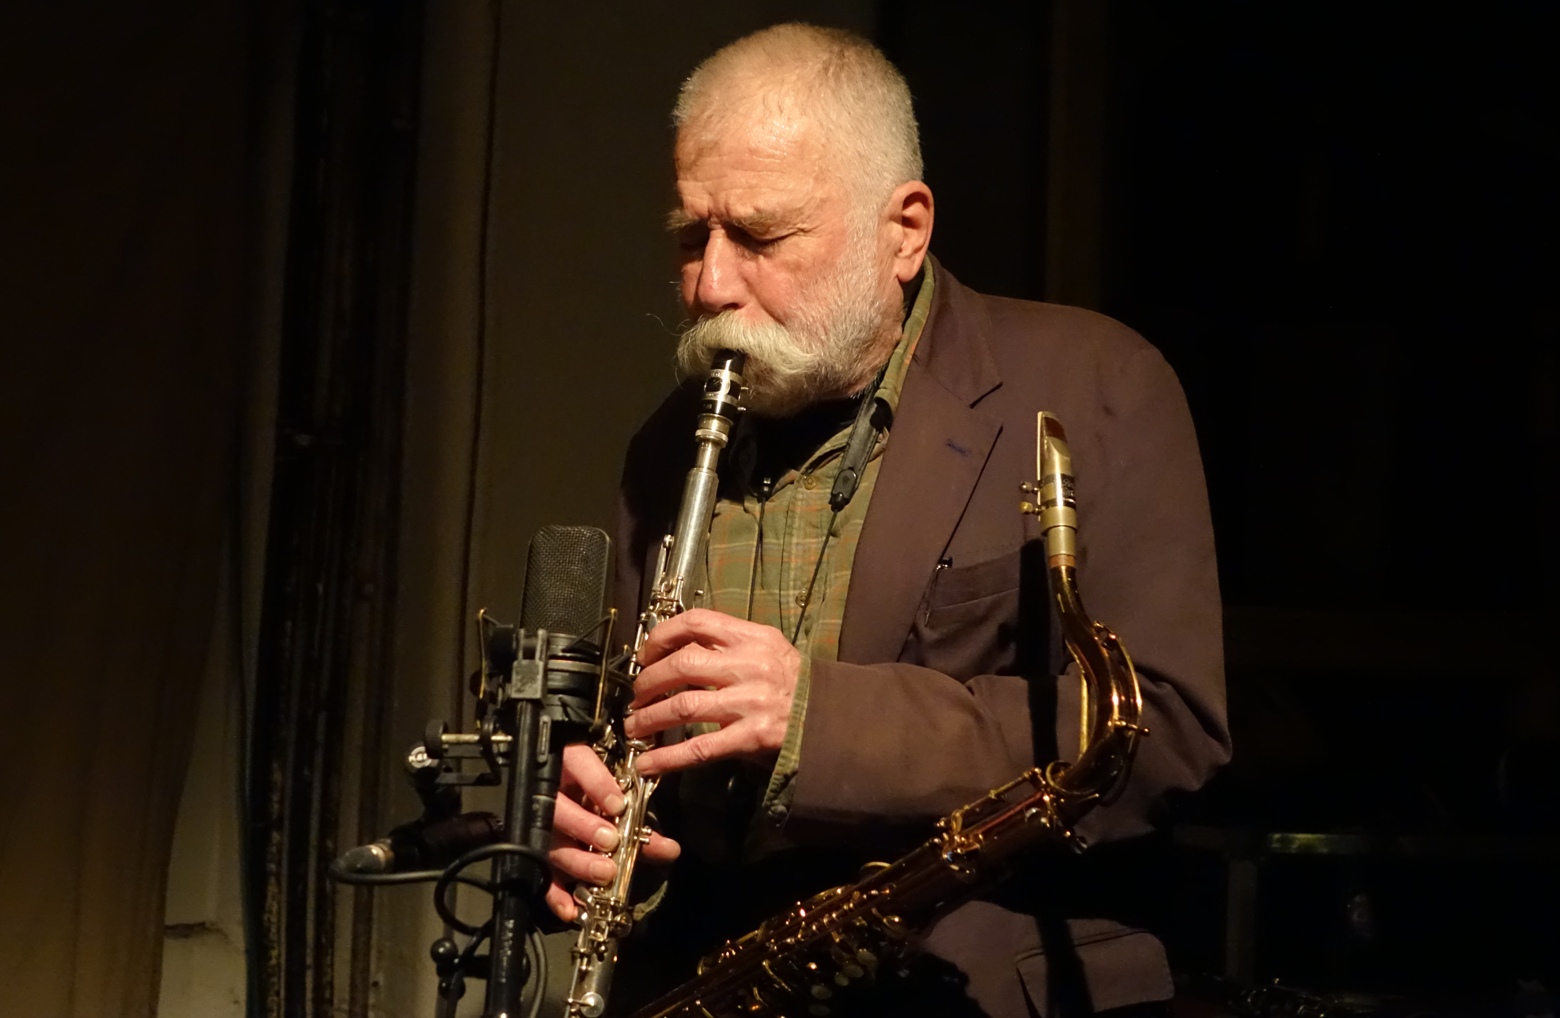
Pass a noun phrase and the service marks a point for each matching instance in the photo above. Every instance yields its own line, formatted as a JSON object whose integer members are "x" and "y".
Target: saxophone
{"x": 797, "y": 962}
{"x": 605, "y": 914}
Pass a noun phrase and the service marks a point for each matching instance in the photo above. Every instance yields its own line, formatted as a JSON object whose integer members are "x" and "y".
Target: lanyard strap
{"x": 853, "y": 463}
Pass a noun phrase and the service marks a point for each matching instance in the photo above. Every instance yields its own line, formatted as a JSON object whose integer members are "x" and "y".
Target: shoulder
{"x": 674, "y": 416}
{"x": 1035, "y": 329}
{"x": 1062, "y": 349}
{"x": 658, "y": 456}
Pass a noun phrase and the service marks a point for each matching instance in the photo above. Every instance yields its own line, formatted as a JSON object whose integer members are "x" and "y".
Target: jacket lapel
{"x": 937, "y": 447}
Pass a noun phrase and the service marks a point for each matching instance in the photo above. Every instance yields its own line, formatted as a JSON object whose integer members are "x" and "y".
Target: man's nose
{"x": 719, "y": 286}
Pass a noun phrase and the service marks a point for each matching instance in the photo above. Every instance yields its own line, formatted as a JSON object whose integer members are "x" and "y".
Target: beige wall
{"x": 125, "y": 313}
{"x": 578, "y": 313}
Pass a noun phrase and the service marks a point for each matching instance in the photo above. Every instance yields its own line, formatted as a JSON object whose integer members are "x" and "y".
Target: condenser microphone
{"x": 437, "y": 837}
{"x": 566, "y": 576}
{"x": 422, "y": 845}
{"x": 566, "y": 572}
{"x": 554, "y": 689}
{"x": 565, "y": 587}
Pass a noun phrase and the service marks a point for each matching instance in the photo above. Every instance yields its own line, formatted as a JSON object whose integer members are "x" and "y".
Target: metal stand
{"x": 537, "y": 693}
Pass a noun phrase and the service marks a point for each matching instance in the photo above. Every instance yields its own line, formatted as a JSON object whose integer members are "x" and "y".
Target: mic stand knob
{"x": 452, "y": 978}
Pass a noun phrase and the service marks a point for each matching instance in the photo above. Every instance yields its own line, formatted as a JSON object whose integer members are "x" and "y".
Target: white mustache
{"x": 813, "y": 356}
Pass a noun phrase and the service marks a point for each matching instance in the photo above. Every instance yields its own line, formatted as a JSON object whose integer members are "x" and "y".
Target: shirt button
{"x": 801, "y": 599}
{"x": 809, "y": 481}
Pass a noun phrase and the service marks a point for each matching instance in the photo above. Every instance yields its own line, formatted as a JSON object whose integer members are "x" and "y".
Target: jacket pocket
{"x": 968, "y": 619}
{"x": 1120, "y": 966}
{"x": 955, "y": 585}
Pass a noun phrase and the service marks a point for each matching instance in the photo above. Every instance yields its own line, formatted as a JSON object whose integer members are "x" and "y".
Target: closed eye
{"x": 692, "y": 236}
{"x": 754, "y": 241}
{"x": 745, "y": 239}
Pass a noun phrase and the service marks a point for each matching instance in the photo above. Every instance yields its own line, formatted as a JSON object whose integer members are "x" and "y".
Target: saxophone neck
{"x": 1109, "y": 694}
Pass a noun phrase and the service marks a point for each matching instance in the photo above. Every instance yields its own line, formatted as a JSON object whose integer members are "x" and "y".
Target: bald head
{"x": 803, "y": 80}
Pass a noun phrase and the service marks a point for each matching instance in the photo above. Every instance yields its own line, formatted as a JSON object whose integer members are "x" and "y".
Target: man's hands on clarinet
{"x": 699, "y": 666}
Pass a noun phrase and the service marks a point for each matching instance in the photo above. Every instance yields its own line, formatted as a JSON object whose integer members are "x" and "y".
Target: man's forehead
{"x": 753, "y": 218}
{"x": 751, "y": 170}
{"x": 774, "y": 124}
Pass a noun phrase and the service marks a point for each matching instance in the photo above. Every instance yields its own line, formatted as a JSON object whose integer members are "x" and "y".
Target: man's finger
{"x": 661, "y": 849}
{"x": 591, "y": 867}
{"x": 584, "y": 770}
{"x": 685, "y": 708}
{"x": 696, "y": 625}
{"x": 690, "y": 665}
{"x": 701, "y": 749}
{"x": 561, "y": 902}
{"x": 575, "y": 822}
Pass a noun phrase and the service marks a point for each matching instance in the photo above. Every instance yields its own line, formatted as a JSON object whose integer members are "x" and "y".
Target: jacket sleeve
{"x": 899, "y": 745}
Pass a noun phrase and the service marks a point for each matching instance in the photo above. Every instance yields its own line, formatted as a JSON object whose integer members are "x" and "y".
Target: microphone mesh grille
{"x": 566, "y": 579}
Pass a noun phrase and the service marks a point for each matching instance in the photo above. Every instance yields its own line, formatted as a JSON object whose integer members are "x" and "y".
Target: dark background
{"x": 300, "y": 300}
{"x": 1339, "y": 225}
{"x": 1338, "y": 222}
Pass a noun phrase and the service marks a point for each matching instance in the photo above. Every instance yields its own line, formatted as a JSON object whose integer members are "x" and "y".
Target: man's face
{"x": 776, "y": 263}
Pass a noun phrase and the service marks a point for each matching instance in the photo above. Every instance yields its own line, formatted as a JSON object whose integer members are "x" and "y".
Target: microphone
{"x": 555, "y": 687}
{"x": 566, "y": 573}
{"x": 566, "y": 576}
{"x": 434, "y": 839}
{"x": 424, "y": 845}
{"x": 565, "y": 580}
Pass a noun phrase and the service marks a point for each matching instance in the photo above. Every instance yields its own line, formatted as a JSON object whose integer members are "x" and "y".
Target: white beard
{"x": 819, "y": 355}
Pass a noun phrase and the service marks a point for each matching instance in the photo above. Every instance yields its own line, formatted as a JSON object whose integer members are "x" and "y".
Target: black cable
{"x": 452, "y": 875}
{"x": 343, "y": 876}
{"x": 538, "y": 948}
{"x": 853, "y": 463}
{"x": 812, "y": 582}
{"x": 484, "y": 242}
{"x": 858, "y": 448}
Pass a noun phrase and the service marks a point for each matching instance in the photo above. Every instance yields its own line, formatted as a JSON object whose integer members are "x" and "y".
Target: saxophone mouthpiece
{"x": 1056, "y": 501}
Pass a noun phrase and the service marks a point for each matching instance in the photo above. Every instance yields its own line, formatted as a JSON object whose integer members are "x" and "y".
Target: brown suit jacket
{"x": 926, "y": 708}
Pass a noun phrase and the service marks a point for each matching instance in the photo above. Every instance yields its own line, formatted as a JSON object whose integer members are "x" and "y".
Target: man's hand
{"x": 715, "y": 668}
{"x": 587, "y": 779}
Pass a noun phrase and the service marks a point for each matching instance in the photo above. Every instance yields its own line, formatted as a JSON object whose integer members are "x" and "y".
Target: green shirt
{"x": 768, "y": 536}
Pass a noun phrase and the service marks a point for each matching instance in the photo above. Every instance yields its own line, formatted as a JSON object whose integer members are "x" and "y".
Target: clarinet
{"x": 605, "y": 914}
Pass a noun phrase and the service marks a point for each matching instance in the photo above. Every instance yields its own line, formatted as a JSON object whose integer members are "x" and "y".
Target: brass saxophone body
{"x": 605, "y": 913}
{"x": 796, "y": 962}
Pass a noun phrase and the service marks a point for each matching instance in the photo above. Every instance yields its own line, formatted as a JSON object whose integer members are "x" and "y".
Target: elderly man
{"x": 850, "y": 674}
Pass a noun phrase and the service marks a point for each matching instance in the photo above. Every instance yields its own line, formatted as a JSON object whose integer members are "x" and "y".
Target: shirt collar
{"x": 910, "y": 337}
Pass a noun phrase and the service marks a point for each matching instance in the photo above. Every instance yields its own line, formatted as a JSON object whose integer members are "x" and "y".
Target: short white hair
{"x": 833, "y": 77}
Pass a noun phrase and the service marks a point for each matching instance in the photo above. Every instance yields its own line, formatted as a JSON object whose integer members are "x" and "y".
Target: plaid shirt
{"x": 768, "y": 536}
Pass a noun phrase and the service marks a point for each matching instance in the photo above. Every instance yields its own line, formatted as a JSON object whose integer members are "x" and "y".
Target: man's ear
{"x": 910, "y": 214}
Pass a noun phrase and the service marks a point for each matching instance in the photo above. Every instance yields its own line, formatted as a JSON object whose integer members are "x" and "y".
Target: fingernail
{"x": 602, "y": 871}
{"x": 614, "y": 805}
{"x": 606, "y": 838}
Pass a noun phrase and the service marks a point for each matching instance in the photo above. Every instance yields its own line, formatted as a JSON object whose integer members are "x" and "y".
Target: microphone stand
{"x": 537, "y": 693}
{"x": 518, "y": 879}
